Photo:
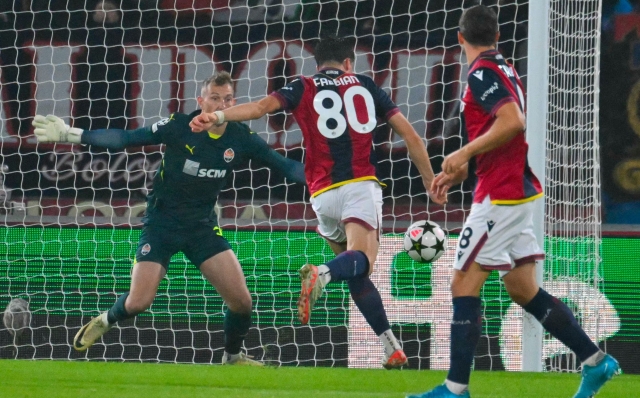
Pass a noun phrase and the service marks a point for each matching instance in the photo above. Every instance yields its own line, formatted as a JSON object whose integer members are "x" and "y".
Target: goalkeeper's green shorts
{"x": 198, "y": 243}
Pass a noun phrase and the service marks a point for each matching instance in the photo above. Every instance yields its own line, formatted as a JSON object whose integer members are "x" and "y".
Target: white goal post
{"x": 563, "y": 135}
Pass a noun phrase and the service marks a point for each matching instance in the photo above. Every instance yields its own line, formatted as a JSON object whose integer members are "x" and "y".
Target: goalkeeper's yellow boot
{"x": 240, "y": 359}
{"x": 310, "y": 292}
{"x": 92, "y": 331}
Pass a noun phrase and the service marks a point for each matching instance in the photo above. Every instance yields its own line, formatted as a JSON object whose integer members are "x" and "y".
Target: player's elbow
{"x": 520, "y": 122}
{"x": 514, "y": 125}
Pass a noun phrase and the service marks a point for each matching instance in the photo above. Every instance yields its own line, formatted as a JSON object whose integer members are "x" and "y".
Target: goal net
{"x": 71, "y": 214}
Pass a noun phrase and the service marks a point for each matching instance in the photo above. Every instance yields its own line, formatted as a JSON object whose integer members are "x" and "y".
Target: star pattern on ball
{"x": 418, "y": 246}
{"x": 428, "y": 227}
{"x": 439, "y": 246}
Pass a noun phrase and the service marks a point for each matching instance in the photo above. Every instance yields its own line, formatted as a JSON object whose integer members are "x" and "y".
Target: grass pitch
{"x": 51, "y": 379}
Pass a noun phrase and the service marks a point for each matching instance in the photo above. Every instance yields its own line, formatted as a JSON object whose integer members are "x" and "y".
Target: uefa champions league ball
{"x": 425, "y": 241}
{"x": 17, "y": 316}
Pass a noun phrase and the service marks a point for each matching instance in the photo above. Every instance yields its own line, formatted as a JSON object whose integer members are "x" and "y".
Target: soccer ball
{"x": 425, "y": 241}
{"x": 17, "y": 316}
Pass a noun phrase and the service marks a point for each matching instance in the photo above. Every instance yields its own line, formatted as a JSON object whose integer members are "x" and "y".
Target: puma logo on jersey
{"x": 190, "y": 148}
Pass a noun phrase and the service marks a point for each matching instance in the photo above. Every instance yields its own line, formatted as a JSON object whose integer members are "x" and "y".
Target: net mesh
{"x": 573, "y": 201}
{"x": 72, "y": 214}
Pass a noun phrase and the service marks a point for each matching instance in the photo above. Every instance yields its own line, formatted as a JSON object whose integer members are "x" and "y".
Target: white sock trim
{"x": 324, "y": 275}
{"x": 104, "y": 318}
{"x": 389, "y": 342}
{"x": 594, "y": 359}
{"x": 231, "y": 357}
{"x": 456, "y": 388}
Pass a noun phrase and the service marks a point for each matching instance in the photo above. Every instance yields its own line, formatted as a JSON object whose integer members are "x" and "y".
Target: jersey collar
{"x": 484, "y": 55}
{"x": 331, "y": 75}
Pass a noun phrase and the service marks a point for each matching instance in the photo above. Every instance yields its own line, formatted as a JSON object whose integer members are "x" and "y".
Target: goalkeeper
{"x": 180, "y": 212}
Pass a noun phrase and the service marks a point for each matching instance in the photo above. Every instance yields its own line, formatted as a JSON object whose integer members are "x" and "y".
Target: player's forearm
{"x": 496, "y": 137}
{"x": 417, "y": 150}
{"x": 509, "y": 123}
{"x": 460, "y": 175}
{"x": 118, "y": 138}
{"x": 420, "y": 157}
{"x": 250, "y": 111}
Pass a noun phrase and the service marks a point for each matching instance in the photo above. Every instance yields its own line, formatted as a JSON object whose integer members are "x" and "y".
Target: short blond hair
{"x": 218, "y": 79}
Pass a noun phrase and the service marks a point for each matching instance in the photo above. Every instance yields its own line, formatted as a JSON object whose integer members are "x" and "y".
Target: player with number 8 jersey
{"x": 337, "y": 110}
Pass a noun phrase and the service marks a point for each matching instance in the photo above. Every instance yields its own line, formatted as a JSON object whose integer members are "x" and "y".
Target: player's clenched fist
{"x": 205, "y": 121}
{"x": 53, "y": 129}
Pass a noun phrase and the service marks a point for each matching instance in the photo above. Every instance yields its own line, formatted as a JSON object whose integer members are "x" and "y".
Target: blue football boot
{"x": 594, "y": 377}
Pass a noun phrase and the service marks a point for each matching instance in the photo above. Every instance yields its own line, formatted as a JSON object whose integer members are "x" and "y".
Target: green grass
{"x": 20, "y": 378}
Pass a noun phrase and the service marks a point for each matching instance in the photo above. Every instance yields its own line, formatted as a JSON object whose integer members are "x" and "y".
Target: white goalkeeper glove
{"x": 53, "y": 129}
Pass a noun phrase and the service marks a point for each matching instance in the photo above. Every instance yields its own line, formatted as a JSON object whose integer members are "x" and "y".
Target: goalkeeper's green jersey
{"x": 195, "y": 166}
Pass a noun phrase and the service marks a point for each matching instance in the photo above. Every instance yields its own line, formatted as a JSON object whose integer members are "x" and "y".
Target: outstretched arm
{"x": 119, "y": 139}
{"x": 417, "y": 153}
{"x": 291, "y": 169}
{"x": 262, "y": 151}
{"x": 238, "y": 113}
{"x": 53, "y": 129}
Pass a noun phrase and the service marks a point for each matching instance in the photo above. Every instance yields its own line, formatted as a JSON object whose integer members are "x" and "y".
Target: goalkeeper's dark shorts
{"x": 198, "y": 243}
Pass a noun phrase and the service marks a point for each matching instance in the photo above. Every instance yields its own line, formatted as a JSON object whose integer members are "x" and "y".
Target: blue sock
{"x": 369, "y": 302}
{"x": 236, "y": 326}
{"x": 118, "y": 312}
{"x": 466, "y": 326}
{"x": 348, "y": 264}
{"x": 557, "y": 319}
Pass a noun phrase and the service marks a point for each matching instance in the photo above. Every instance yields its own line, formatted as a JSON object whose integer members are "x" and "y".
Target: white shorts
{"x": 498, "y": 237}
{"x": 359, "y": 202}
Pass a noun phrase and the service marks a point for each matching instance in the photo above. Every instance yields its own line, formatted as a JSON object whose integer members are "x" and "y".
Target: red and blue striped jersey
{"x": 503, "y": 173}
{"x": 337, "y": 113}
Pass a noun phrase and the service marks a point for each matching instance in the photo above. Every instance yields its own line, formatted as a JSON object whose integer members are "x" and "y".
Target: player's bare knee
{"x": 461, "y": 288}
{"x": 518, "y": 298}
{"x": 521, "y": 297}
{"x": 242, "y": 305}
